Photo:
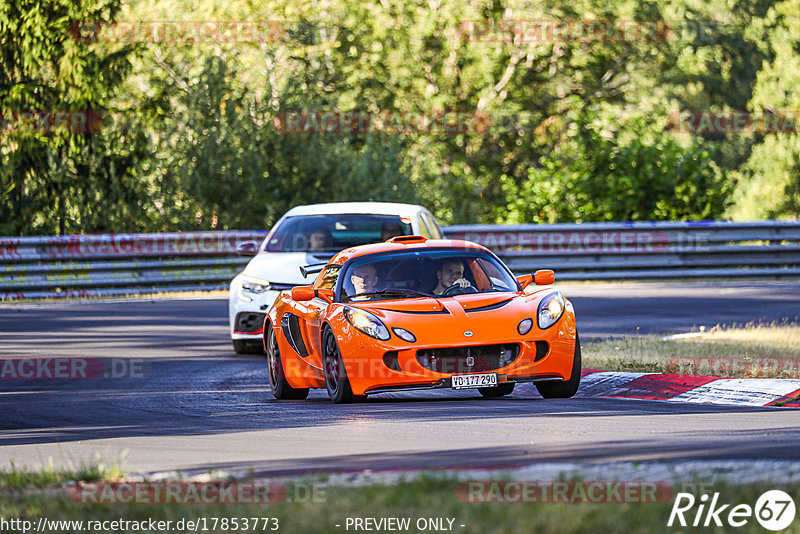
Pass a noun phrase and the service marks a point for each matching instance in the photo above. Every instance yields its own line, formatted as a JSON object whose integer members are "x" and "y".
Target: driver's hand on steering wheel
{"x": 462, "y": 282}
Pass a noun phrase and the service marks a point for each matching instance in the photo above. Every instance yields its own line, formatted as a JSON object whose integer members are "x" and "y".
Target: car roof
{"x": 376, "y": 208}
{"x": 376, "y": 248}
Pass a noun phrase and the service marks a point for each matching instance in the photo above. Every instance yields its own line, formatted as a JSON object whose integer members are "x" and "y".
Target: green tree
{"x": 68, "y": 181}
{"x": 606, "y": 177}
{"x": 769, "y": 184}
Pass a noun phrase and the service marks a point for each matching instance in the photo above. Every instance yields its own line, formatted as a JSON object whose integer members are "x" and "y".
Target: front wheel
{"x": 567, "y": 388}
{"x": 497, "y": 391}
{"x": 277, "y": 379}
{"x": 336, "y": 381}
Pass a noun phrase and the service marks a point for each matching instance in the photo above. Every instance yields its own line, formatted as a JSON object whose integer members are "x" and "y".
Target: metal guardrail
{"x": 118, "y": 264}
{"x": 602, "y": 251}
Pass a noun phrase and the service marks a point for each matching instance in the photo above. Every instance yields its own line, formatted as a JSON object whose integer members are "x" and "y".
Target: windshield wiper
{"x": 388, "y": 291}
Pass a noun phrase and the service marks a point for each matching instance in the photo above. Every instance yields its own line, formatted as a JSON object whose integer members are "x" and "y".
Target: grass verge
{"x": 420, "y": 499}
{"x": 750, "y": 351}
{"x": 14, "y": 478}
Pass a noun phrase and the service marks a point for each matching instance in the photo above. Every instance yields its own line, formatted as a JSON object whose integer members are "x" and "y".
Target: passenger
{"x": 390, "y": 230}
{"x": 450, "y": 273}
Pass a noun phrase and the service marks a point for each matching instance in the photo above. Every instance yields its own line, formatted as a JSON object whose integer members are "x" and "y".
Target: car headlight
{"x": 524, "y": 326}
{"x": 252, "y": 285}
{"x": 404, "y": 334}
{"x": 551, "y": 308}
{"x": 367, "y": 323}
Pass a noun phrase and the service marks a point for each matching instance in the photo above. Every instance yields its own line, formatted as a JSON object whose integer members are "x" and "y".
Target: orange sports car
{"x": 414, "y": 313}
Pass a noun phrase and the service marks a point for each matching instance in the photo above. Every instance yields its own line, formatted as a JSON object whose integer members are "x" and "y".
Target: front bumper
{"x": 377, "y": 368}
{"x": 369, "y": 371}
{"x": 257, "y": 307}
{"x": 447, "y": 383}
{"x": 249, "y": 323}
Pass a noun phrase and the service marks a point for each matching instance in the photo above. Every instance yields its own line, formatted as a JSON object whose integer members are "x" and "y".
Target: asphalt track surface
{"x": 193, "y": 405}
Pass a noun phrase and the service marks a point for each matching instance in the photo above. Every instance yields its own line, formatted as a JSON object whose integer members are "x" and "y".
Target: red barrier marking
{"x": 662, "y": 386}
{"x": 10, "y": 249}
{"x": 792, "y": 400}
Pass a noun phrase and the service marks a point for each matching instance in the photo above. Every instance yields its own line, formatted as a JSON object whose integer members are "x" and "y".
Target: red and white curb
{"x": 691, "y": 388}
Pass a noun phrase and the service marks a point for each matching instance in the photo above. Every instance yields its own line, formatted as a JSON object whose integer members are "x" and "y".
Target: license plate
{"x": 483, "y": 380}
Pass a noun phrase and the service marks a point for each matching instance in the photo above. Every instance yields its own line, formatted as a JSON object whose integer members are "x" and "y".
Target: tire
{"x": 567, "y": 388}
{"x": 245, "y": 346}
{"x": 497, "y": 391}
{"x": 336, "y": 381}
{"x": 277, "y": 380}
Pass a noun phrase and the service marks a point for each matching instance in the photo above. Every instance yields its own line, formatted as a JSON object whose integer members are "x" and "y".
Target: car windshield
{"x": 429, "y": 273}
{"x": 332, "y": 233}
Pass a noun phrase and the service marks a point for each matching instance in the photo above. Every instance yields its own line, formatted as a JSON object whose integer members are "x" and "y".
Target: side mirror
{"x": 306, "y": 293}
{"x": 525, "y": 280}
{"x": 248, "y": 248}
{"x": 544, "y": 277}
{"x": 302, "y": 293}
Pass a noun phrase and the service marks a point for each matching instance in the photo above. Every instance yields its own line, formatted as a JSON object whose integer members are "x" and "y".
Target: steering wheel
{"x": 456, "y": 289}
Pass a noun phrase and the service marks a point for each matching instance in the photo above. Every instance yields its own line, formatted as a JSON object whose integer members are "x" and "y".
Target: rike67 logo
{"x": 774, "y": 510}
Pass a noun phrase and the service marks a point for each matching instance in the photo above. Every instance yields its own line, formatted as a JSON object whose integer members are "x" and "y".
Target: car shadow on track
{"x": 199, "y": 396}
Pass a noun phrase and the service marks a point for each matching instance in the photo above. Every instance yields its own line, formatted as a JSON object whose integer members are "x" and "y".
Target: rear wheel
{"x": 497, "y": 391}
{"x": 336, "y": 381}
{"x": 277, "y": 380}
{"x": 567, "y": 388}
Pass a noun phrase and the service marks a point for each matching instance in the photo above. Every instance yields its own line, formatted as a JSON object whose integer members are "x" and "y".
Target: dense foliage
{"x": 194, "y": 133}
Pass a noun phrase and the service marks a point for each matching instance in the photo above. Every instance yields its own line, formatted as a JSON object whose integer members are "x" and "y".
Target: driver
{"x": 364, "y": 278}
{"x": 319, "y": 240}
{"x": 450, "y": 273}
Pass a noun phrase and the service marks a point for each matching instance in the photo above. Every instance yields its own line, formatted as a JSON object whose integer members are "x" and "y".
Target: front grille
{"x": 541, "y": 350}
{"x": 468, "y": 359}
{"x": 390, "y": 360}
{"x": 249, "y": 321}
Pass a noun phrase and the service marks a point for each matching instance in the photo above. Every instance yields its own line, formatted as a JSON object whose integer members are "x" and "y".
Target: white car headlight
{"x": 524, "y": 326}
{"x": 252, "y": 286}
{"x": 367, "y": 323}
{"x": 404, "y": 334}
{"x": 551, "y": 308}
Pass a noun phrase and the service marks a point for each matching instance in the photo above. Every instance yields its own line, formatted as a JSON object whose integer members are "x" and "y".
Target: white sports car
{"x": 310, "y": 235}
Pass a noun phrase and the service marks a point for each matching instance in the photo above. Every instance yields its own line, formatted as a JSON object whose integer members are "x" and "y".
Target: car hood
{"x": 283, "y": 267}
{"x": 488, "y": 318}
{"x": 465, "y": 303}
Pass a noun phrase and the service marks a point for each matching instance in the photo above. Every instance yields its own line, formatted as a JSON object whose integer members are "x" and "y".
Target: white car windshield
{"x": 332, "y": 233}
{"x": 425, "y": 273}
